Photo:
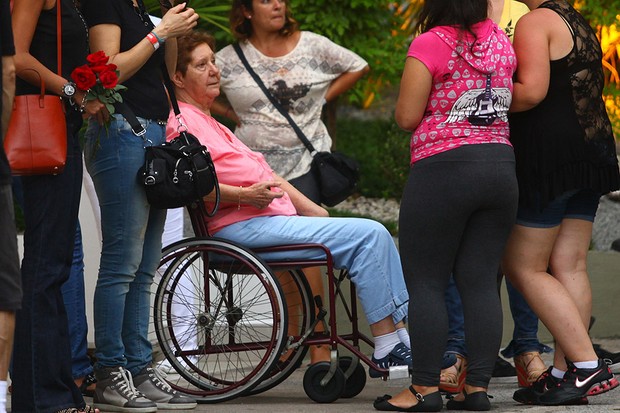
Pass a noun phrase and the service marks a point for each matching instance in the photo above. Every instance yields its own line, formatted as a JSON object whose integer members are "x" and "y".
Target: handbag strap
{"x": 59, "y": 37}
{"x": 130, "y": 116}
{"x": 273, "y": 100}
{"x": 170, "y": 88}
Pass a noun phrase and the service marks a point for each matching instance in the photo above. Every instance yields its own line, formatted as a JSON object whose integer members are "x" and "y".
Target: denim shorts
{"x": 573, "y": 204}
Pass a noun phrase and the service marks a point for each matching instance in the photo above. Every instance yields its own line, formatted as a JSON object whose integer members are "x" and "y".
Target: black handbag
{"x": 178, "y": 172}
{"x": 336, "y": 172}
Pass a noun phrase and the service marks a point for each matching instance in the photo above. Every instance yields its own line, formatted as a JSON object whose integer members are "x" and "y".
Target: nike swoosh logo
{"x": 580, "y": 383}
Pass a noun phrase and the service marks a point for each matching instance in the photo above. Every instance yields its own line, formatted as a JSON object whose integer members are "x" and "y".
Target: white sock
{"x": 385, "y": 343}
{"x": 586, "y": 364}
{"x": 3, "y": 388}
{"x": 403, "y": 336}
{"x": 557, "y": 373}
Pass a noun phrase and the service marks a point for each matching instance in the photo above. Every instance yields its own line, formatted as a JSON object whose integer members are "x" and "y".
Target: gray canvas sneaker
{"x": 115, "y": 392}
{"x": 152, "y": 384}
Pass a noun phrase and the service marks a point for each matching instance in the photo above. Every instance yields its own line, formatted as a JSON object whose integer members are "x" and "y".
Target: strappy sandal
{"x": 85, "y": 409}
{"x": 452, "y": 379}
{"x": 529, "y": 367}
{"x": 430, "y": 403}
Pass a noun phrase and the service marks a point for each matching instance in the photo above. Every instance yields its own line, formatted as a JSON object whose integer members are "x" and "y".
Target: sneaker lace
{"x": 159, "y": 379}
{"x": 403, "y": 352}
{"x": 123, "y": 381}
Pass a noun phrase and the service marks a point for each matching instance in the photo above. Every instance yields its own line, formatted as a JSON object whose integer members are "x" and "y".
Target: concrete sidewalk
{"x": 604, "y": 270}
{"x": 290, "y": 397}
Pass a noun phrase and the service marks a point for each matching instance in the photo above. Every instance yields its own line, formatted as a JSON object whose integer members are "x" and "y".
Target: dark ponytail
{"x": 460, "y": 13}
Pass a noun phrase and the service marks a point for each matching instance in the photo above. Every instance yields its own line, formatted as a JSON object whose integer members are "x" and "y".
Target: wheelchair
{"x": 234, "y": 322}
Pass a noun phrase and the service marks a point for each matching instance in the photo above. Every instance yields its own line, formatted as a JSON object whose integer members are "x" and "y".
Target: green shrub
{"x": 382, "y": 149}
{"x": 611, "y": 95}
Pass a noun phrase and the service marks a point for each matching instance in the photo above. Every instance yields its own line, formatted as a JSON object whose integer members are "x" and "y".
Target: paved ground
{"x": 603, "y": 268}
{"x": 290, "y": 397}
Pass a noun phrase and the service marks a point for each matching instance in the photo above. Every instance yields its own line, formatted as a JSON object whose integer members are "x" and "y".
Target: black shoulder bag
{"x": 337, "y": 173}
{"x": 178, "y": 172}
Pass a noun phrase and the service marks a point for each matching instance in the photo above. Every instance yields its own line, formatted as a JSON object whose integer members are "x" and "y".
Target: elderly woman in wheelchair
{"x": 258, "y": 208}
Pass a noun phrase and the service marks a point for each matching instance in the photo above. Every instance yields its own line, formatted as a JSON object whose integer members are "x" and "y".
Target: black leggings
{"x": 457, "y": 210}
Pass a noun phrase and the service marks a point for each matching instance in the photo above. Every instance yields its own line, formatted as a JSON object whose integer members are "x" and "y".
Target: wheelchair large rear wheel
{"x": 220, "y": 319}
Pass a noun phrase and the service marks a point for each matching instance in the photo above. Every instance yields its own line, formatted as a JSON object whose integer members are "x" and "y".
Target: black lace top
{"x": 566, "y": 142}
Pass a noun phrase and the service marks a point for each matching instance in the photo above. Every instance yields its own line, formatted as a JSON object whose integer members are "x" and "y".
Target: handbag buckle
{"x": 139, "y": 132}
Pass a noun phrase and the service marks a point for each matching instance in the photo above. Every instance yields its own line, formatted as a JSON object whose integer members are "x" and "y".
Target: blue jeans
{"x": 525, "y": 332}
{"x": 41, "y": 374}
{"x": 131, "y": 247}
{"x": 456, "y": 321}
{"x": 73, "y": 295}
{"x": 362, "y": 246}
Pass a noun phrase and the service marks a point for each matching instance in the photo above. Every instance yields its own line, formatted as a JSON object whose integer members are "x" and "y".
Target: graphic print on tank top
{"x": 286, "y": 95}
{"x": 481, "y": 106}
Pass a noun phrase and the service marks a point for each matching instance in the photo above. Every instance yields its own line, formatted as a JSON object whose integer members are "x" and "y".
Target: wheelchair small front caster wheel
{"x": 357, "y": 379}
{"x": 328, "y": 393}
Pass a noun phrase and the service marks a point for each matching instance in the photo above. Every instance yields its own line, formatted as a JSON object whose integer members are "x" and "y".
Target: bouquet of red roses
{"x": 99, "y": 79}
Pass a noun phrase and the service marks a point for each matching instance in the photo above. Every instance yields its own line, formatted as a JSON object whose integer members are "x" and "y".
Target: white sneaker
{"x": 115, "y": 392}
{"x": 152, "y": 383}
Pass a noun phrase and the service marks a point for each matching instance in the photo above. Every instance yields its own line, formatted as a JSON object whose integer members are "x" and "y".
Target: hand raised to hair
{"x": 178, "y": 21}
{"x": 261, "y": 194}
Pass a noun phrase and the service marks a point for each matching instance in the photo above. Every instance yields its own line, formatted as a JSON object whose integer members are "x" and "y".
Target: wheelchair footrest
{"x": 398, "y": 372}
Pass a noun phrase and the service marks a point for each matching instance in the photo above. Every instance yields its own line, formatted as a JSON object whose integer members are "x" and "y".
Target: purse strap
{"x": 302, "y": 137}
{"x": 59, "y": 37}
{"x": 125, "y": 110}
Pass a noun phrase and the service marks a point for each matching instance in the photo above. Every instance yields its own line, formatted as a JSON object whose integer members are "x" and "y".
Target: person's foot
{"x": 452, "y": 379}
{"x": 529, "y": 367}
{"x": 153, "y": 385}
{"x": 614, "y": 358}
{"x": 88, "y": 409}
{"x": 115, "y": 392}
{"x": 409, "y": 400}
{"x": 532, "y": 394}
{"x": 476, "y": 401}
{"x": 319, "y": 353}
{"x": 399, "y": 356}
{"x": 578, "y": 383}
{"x": 503, "y": 371}
{"x": 87, "y": 385}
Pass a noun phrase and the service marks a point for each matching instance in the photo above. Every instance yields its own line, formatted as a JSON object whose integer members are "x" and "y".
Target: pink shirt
{"x": 235, "y": 164}
{"x": 471, "y": 92}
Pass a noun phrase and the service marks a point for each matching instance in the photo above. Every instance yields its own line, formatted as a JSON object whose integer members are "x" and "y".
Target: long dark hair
{"x": 460, "y": 13}
{"x": 242, "y": 28}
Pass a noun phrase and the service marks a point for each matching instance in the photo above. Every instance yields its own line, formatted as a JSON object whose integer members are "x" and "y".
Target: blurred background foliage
{"x": 380, "y": 31}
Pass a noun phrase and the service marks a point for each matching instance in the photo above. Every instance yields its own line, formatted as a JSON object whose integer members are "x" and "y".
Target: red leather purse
{"x": 36, "y": 140}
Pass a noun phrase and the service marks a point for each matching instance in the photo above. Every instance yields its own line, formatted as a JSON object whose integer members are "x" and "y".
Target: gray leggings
{"x": 457, "y": 210}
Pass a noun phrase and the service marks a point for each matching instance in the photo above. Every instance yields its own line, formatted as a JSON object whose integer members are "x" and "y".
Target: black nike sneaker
{"x": 579, "y": 383}
{"x": 532, "y": 394}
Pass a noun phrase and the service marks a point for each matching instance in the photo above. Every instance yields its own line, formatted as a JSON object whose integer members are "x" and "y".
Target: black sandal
{"x": 86, "y": 383}
{"x": 430, "y": 403}
{"x": 477, "y": 402}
